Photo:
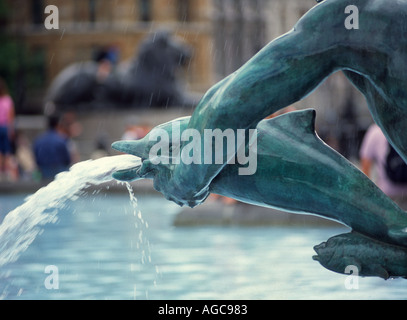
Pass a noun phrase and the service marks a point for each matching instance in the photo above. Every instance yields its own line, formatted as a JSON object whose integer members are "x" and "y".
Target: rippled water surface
{"x": 104, "y": 248}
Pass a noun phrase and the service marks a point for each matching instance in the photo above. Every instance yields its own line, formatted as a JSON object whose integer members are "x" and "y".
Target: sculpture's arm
{"x": 282, "y": 73}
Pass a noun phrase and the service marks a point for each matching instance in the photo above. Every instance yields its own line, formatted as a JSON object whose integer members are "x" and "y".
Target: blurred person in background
{"x": 24, "y": 157}
{"x": 374, "y": 157}
{"x": 70, "y": 128}
{"x": 6, "y": 131}
{"x": 135, "y": 130}
{"x": 102, "y": 147}
{"x": 51, "y": 150}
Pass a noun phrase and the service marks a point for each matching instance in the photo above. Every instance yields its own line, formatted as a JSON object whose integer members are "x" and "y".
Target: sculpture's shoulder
{"x": 327, "y": 11}
{"x": 328, "y": 17}
{"x": 386, "y": 6}
{"x": 378, "y": 4}
{"x": 325, "y": 14}
{"x": 386, "y": 18}
{"x": 391, "y": 9}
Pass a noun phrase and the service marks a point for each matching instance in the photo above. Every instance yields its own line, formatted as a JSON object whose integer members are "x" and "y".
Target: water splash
{"x": 142, "y": 226}
{"x": 142, "y": 243}
{"x": 22, "y": 225}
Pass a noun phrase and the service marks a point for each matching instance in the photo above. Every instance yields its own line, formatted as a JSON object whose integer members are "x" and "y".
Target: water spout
{"x": 22, "y": 225}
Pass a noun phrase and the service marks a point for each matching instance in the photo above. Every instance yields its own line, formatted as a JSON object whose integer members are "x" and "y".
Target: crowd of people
{"x": 375, "y": 156}
{"x": 6, "y": 132}
{"x": 40, "y": 159}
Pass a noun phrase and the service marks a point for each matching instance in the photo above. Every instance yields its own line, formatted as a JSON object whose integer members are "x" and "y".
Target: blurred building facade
{"x": 243, "y": 27}
{"x": 86, "y": 26}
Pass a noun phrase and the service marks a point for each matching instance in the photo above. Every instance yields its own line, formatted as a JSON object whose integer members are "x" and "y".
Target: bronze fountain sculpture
{"x": 296, "y": 171}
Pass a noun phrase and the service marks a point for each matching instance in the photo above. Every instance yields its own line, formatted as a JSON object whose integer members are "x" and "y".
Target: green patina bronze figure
{"x": 373, "y": 57}
{"x": 296, "y": 171}
{"x": 299, "y": 173}
{"x": 367, "y": 256}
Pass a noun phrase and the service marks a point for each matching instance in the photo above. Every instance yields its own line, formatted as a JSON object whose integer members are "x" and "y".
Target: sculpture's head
{"x": 142, "y": 148}
{"x": 330, "y": 254}
{"x": 352, "y": 253}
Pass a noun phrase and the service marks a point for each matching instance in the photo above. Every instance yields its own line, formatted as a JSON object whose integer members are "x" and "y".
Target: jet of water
{"x": 22, "y": 225}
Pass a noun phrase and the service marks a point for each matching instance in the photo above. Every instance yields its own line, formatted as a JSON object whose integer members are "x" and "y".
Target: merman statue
{"x": 304, "y": 175}
{"x": 299, "y": 173}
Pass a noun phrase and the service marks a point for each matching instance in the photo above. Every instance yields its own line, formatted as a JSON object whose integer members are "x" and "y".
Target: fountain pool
{"x": 102, "y": 250}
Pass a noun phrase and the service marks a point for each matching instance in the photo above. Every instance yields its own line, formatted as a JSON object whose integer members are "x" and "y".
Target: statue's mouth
{"x": 128, "y": 174}
{"x": 133, "y": 174}
{"x": 318, "y": 249}
{"x": 130, "y": 147}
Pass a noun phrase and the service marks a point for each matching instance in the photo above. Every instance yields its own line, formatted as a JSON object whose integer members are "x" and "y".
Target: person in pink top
{"x": 373, "y": 152}
{"x": 6, "y": 127}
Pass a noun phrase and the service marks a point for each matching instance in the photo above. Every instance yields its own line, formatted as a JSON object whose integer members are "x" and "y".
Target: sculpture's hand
{"x": 173, "y": 185}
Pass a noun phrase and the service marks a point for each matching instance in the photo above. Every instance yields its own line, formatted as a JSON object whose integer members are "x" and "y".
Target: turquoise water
{"x": 102, "y": 247}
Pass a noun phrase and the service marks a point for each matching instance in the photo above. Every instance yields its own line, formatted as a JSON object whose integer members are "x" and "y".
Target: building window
{"x": 145, "y": 10}
{"x": 36, "y": 70}
{"x": 37, "y": 11}
{"x": 240, "y": 33}
{"x": 183, "y": 10}
{"x": 92, "y": 11}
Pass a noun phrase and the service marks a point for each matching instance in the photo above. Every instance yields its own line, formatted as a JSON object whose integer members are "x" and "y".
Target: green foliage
{"x": 9, "y": 58}
{"x": 21, "y": 68}
{"x": 3, "y": 11}
{"x": 9, "y": 51}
